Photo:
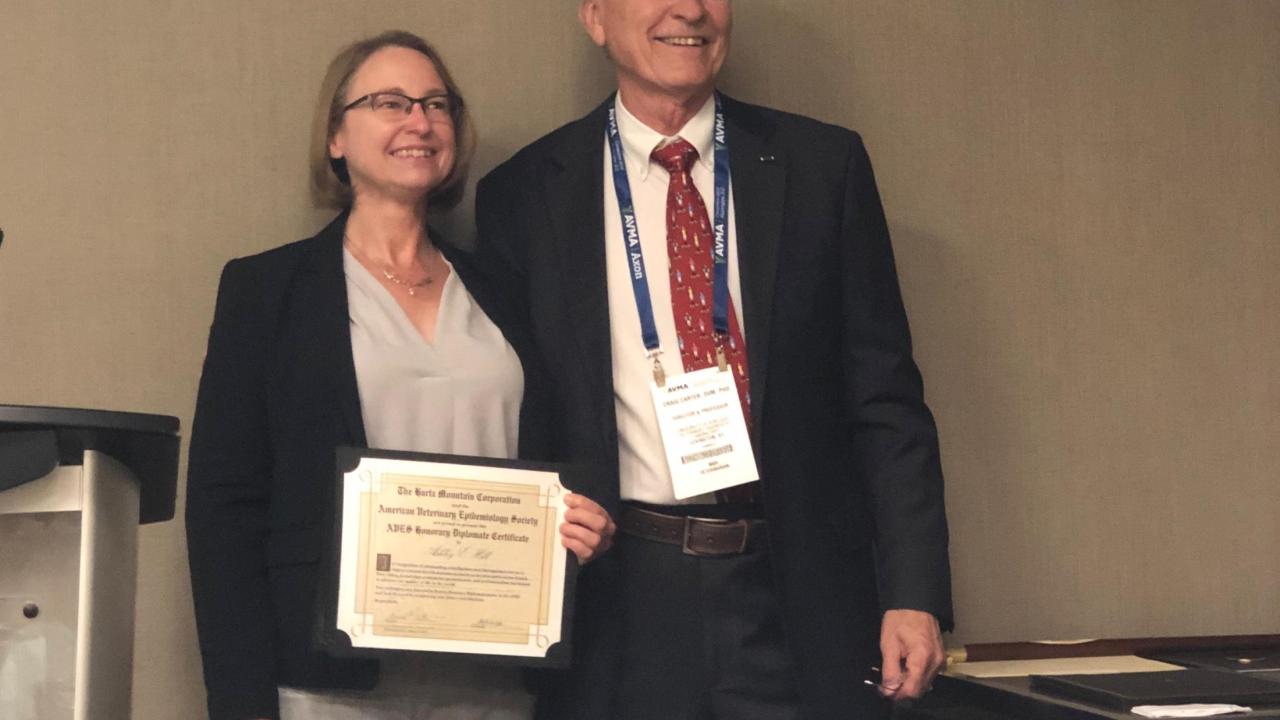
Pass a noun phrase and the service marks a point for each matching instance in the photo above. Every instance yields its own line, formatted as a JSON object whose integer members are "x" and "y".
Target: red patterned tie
{"x": 689, "y": 241}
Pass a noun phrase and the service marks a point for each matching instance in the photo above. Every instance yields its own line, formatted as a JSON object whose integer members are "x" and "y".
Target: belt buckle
{"x": 688, "y": 530}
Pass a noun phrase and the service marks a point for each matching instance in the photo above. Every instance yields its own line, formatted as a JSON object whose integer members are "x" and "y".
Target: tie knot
{"x": 676, "y": 156}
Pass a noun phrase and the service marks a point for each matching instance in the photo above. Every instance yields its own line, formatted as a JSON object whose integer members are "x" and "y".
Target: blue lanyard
{"x": 631, "y": 232}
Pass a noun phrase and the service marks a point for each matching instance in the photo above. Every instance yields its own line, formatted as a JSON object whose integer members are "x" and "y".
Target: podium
{"x": 74, "y": 484}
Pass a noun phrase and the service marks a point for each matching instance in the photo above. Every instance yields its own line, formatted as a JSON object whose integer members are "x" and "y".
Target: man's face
{"x": 671, "y": 48}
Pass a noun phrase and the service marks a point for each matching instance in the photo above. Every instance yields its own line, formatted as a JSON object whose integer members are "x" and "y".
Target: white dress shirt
{"x": 642, "y": 465}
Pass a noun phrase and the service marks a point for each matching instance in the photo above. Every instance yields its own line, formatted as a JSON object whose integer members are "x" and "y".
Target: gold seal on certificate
{"x": 448, "y": 554}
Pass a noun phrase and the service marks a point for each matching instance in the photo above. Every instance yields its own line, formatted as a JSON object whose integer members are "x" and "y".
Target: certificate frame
{"x": 443, "y": 586}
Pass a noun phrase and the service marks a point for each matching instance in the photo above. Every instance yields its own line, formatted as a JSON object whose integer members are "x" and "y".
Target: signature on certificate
{"x": 459, "y": 552}
{"x": 410, "y": 617}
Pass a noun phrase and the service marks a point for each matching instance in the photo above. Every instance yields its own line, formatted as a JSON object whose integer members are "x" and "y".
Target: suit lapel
{"x": 574, "y": 184}
{"x": 322, "y": 304}
{"x": 759, "y": 177}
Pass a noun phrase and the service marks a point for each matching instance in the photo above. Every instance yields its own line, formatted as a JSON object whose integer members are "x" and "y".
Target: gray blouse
{"x": 459, "y": 394}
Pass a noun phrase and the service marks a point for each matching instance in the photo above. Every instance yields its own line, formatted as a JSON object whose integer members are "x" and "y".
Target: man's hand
{"x": 911, "y": 645}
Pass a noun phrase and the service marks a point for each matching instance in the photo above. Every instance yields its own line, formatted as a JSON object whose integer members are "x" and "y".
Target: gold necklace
{"x": 412, "y": 287}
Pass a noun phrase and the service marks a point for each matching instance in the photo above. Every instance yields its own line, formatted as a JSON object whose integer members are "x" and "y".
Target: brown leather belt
{"x": 703, "y": 537}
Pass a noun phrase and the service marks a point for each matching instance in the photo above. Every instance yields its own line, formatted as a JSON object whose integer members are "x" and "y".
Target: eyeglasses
{"x": 393, "y": 106}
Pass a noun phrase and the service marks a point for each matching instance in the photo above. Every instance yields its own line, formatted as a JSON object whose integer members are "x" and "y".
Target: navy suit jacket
{"x": 277, "y": 395}
{"x": 846, "y": 446}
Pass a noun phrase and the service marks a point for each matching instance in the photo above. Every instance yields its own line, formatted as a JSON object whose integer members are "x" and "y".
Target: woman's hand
{"x": 588, "y": 530}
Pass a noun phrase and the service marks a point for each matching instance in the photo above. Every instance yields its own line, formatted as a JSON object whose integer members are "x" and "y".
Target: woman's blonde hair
{"x": 330, "y": 183}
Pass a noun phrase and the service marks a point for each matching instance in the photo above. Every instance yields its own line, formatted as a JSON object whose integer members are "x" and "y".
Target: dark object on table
{"x": 1257, "y": 660}
{"x": 1122, "y": 691}
{"x": 975, "y": 652}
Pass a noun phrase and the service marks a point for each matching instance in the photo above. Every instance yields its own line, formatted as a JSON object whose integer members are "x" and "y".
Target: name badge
{"x": 703, "y": 432}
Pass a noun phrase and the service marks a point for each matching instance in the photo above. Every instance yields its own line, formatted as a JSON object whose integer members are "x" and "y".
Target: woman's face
{"x": 391, "y": 154}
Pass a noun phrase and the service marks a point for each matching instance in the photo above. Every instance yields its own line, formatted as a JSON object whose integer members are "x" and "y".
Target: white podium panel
{"x": 68, "y": 576}
{"x": 74, "y": 485}
{"x": 40, "y": 564}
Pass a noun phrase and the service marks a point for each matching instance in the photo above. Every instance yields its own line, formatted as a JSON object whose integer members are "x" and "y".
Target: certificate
{"x": 448, "y": 554}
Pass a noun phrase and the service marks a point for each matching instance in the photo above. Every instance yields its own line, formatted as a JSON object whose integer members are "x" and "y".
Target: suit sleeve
{"x": 228, "y": 481}
{"x": 495, "y": 249}
{"x": 894, "y": 435}
{"x": 497, "y": 257}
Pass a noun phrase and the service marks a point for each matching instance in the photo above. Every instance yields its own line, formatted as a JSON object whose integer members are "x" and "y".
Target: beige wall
{"x": 1085, "y": 197}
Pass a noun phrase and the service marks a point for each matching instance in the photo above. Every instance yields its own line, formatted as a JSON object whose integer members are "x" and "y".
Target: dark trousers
{"x": 702, "y": 636}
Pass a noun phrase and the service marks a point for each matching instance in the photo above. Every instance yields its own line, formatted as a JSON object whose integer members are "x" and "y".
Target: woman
{"x": 372, "y": 333}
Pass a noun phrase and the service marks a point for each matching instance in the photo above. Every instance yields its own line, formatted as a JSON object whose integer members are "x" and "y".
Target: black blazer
{"x": 846, "y": 447}
{"x": 277, "y": 395}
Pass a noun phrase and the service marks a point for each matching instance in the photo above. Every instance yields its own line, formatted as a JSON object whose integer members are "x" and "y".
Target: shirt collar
{"x": 640, "y": 140}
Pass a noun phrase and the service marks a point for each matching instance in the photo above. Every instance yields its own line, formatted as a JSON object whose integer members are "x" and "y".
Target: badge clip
{"x": 659, "y": 375}
{"x": 720, "y": 358}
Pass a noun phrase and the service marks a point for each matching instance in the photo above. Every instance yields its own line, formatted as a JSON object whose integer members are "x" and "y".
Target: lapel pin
{"x": 767, "y": 158}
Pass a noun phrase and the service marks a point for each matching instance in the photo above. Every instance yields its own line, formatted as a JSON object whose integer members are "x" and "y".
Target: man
{"x": 768, "y": 600}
